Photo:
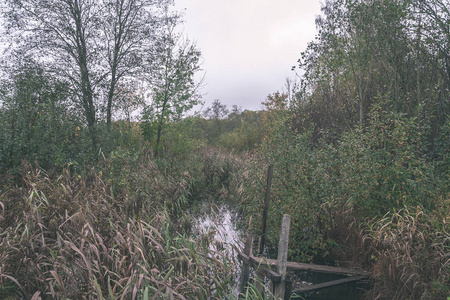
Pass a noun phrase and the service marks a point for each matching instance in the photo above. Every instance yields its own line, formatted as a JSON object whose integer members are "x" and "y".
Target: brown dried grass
{"x": 100, "y": 237}
{"x": 412, "y": 257}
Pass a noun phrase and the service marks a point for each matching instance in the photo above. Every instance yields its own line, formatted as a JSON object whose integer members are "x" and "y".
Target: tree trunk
{"x": 114, "y": 78}
{"x": 161, "y": 122}
{"x": 361, "y": 96}
{"x": 86, "y": 87}
{"x": 158, "y": 138}
{"x": 110, "y": 99}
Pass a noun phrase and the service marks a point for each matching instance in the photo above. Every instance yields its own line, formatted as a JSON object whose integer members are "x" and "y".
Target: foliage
{"x": 130, "y": 35}
{"x": 246, "y": 137}
{"x": 216, "y": 111}
{"x": 240, "y": 131}
{"x": 341, "y": 198}
{"x": 365, "y": 136}
{"x": 174, "y": 90}
{"x": 367, "y": 50}
{"x": 360, "y": 149}
{"x": 97, "y": 47}
{"x": 184, "y": 138}
{"x": 39, "y": 124}
{"x": 36, "y": 123}
{"x": 370, "y": 172}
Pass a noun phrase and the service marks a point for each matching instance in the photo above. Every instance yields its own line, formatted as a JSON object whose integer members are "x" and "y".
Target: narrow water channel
{"x": 221, "y": 221}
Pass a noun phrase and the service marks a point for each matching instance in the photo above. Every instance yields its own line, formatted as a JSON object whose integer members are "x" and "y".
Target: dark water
{"x": 348, "y": 291}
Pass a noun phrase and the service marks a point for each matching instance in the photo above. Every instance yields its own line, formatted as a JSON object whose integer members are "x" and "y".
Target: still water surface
{"x": 221, "y": 222}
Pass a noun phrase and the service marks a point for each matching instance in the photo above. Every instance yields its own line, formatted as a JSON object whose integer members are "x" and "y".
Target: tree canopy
{"x": 95, "y": 46}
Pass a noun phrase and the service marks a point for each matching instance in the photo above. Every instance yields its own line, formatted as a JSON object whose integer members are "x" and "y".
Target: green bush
{"x": 367, "y": 173}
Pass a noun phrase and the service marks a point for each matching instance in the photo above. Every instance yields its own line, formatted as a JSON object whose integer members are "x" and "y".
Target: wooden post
{"x": 245, "y": 272}
{"x": 288, "y": 288}
{"x": 266, "y": 209}
{"x": 259, "y": 282}
{"x": 279, "y": 288}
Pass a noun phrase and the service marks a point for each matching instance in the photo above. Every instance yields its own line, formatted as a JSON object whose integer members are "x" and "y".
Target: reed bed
{"x": 107, "y": 234}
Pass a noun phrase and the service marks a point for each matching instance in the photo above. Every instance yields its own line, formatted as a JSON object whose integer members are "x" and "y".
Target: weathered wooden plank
{"x": 319, "y": 286}
{"x": 260, "y": 265}
{"x": 295, "y": 266}
{"x": 245, "y": 273}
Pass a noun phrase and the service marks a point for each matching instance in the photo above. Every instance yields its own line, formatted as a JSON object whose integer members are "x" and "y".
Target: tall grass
{"x": 412, "y": 256}
{"x": 106, "y": 234}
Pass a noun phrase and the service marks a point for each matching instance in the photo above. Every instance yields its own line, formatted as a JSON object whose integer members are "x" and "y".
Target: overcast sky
{"x": 248, "y": 46}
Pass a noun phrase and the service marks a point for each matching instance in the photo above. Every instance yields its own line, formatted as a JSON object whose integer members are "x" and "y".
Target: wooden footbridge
{"x": 281, "y": 285}
{"x": 277, "y": 271}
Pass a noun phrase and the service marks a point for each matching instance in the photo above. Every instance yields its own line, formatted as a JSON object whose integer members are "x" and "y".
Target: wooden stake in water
{"x": 266, "y": 208}
{"x": 279, "y": 288}
{"x": 245, "y": 273}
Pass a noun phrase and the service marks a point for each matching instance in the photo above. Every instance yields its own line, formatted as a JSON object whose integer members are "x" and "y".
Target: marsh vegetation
{"x": 97, "y": 205}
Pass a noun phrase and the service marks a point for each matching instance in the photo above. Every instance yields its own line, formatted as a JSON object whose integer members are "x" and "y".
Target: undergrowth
{"x": 411, "y": 255}
{"x": 117, "y": 232}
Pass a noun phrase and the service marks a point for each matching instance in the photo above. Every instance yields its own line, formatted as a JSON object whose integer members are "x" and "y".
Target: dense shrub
{"x": 333, "y": 189}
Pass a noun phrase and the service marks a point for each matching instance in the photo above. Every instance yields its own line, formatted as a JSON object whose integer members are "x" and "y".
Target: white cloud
{"x": 248, "y": 46}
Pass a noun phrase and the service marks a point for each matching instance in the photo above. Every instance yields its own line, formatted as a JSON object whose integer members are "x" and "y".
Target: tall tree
{"x": 365, "y": 52}
{"x": 130, "y": 30}
{"x": 438, "y": 13}
{"x": 62, "y": 35}
{"x": 217, "y": 111}
{"x": 171, "y": 79}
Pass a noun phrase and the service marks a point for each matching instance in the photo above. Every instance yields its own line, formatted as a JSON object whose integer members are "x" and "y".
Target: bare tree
{"x": 130, "y": 31}
{"x": 93, "y": 44}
